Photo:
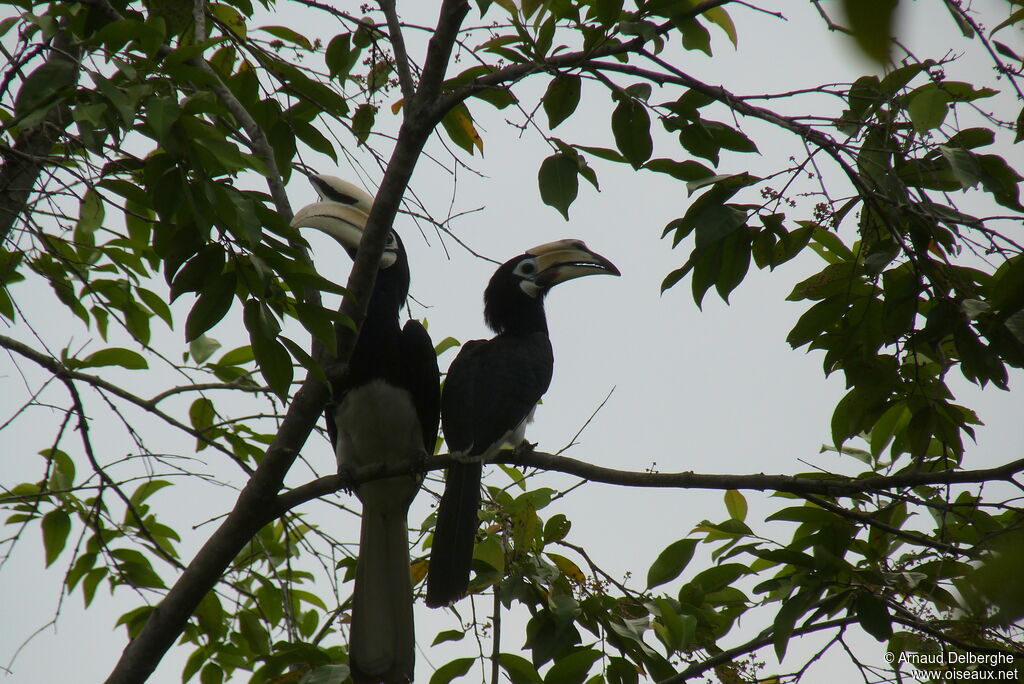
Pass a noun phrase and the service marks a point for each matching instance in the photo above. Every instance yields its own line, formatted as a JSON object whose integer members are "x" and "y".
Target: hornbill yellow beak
{"x": 342, "y": 213}
{"x": 567, "y": 259}
{"x": 343, "y": 223}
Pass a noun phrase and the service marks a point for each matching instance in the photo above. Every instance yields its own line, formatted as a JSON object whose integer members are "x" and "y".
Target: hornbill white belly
{"x": 384, "y": 410}
{"x": 490, "y": 393}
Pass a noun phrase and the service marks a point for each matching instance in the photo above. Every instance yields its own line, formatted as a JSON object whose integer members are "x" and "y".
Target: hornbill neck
{"x": 507, "y": 309}
{"x": 389, "y": 293}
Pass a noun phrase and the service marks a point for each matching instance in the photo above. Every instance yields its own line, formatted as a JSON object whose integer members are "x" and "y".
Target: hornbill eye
{"x": 527, "y": 268}
{"x": 391, "y": 241}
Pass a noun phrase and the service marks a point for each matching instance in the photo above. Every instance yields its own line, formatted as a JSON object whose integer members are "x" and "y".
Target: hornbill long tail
{"x": 490, "y": 393}
{"x": 385, "y": 409}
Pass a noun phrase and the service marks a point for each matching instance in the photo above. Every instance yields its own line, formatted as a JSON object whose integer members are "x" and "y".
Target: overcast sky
{"x": 716, "y": 390}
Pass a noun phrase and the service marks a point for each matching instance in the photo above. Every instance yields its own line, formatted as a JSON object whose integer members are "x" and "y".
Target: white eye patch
{"x": 529, "y": 287}
{"x": 527, "y": 268}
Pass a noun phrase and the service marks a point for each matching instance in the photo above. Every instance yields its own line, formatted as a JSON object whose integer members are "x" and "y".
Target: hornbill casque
{"x": 385, "y": 409}
{"x": 490, "y": 393}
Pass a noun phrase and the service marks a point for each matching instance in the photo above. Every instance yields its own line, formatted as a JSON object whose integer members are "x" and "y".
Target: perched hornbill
{"x": 490, "y": 393}
{"x": 385, "y": 409}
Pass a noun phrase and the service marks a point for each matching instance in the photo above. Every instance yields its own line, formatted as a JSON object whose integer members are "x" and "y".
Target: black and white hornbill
{"x": 490, "y": 393}
{"x": 385, "y": 409}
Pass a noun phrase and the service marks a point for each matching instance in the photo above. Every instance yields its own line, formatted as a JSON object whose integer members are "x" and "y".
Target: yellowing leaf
{"x": 397, "y": 107}
{"x": 466, "y": 124}
{"x": 568, "y": 568}
{"x": 231, "y": 18}
{"x": 418, "y": 570}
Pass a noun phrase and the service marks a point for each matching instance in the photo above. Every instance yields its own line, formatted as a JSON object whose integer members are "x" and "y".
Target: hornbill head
{"x": 341, "y": 213}
{"x": 517, "y": 289}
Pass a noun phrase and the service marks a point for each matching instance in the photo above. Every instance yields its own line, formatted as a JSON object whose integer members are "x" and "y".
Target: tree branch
{"x": 755, "y": 644}
{"x": 105, "y": 479}
{"x": 908, "y": 535}
{"x": 63, "y": 372}
{"x": 836, "y": 486}
{"x": 402, "y": 65}
{"x": 567, "y": 60}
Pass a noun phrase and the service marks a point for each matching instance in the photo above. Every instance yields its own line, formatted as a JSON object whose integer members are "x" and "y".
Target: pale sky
{"x": 717, "y": 390}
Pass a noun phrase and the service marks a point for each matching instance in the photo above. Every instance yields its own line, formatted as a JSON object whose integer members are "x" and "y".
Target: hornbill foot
{"x": 420, "y": 463}
{"x": 525, "y": 447}
{"x": 347, "y": 473}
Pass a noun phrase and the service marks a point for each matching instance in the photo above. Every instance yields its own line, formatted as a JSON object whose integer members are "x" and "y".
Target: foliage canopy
{"x": 146, "y": 148}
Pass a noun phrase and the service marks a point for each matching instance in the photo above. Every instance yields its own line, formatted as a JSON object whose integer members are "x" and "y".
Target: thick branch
{"x": 439, "y": 52}
{"x": 828, "y": 486}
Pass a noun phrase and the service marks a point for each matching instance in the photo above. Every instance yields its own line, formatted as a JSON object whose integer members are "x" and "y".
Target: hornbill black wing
{"x": 491, "y": 389}
{"x": 423, "y": 379}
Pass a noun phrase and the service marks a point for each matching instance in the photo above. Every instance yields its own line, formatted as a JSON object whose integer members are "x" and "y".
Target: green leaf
{"x": 202, "y": 348}
{"x": 873, "y": 615}
{"x": 62, "y": 472}
{"x": 147, "y": 489}
{"x": 607, "y": 12}
{"x": 792, "y": 610}
{"x": 254, "y": 632}
{"x": 287, "y": 34}
{"x": 161, "y": 113}
{"x": 928, "y": 108}
{"x": 558, "y": 182}
{"x": 519, "y": 669}
{"x": 572, "y": 668}
{"x": 561, "y": 98}
{"x": 213, "y": 304}
{"x": 556, "y": 528}
{"x": 446, "y": 344}
{"x": 871, "y": 22}
{"x": 448, "y": 635}
{"x": 452, "y": 670}
{"x": 694, "y": 35}
{"x": 341, "y": 56}
{"x": 231, "y": 19}
{"x": 688, "y": 170}
{"x": 156, "y": 304}
{"x": 736, "y": 504}
{"x": 719, "y": 16}
{"x": 91, "y": 582}
{"x": 671, "y": 562}
{"x": 362, "y": 122}
{"x": 332, "y": 673}
{"x": 211, "y": 673}
{"x": 631, "y": 126}
{"x": 90, "y": 218}
{"x": 56, "y": 527}
{"x": 1001, "y": 180}
{"x": 274, "y": 361}
{"x": 201, "y": 413}
{"x": 963, "y": 164}
{"x": 113, "y": 356}
{"x": 41, "y": 87}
